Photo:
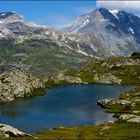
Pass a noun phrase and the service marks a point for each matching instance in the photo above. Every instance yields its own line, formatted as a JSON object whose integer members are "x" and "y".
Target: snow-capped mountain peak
{"x": 100, "y": 33}
{"x": 6, "y": 15}
{"x": 117, "y": 31}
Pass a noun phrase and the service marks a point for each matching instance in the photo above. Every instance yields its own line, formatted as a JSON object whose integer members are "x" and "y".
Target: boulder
{"x": 130, "y": 118}
{"x": 9, "y": 131}
{"x": 134, "y": 120}
{"x": 126, "y": 116}
{"x": 136, "y": 112}
{"x": 107, "y": 78}
{"x": 110, "y": 102}
{"x": 62, "y": 78}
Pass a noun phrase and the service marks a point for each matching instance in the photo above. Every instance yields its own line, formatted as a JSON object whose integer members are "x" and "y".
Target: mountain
{"x": 116, "y": 32}
{"x": 98, "y": 34}
{"x": 26, "y": 45}
{"x": 14, "y": 26}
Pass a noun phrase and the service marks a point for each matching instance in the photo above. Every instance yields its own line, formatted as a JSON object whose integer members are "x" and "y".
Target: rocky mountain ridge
{"x": 116, "y": 32}
{"x": 98, "y": 34}
{"x": 14, "y": 26}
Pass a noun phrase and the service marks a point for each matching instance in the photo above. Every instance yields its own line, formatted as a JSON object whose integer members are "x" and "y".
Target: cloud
{"x": 125, "y": 5}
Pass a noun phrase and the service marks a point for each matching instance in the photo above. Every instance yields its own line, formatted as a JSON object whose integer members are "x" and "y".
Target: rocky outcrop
{"x": 107, "y": 78}
{"x": 9, "y": 131}
{"x": 18, "y": 84}
{"x": 61, "y": 78}
{"x": 106, "y": 126}
{"x": 127, "y": 62}
{"x": 126, "y": 108}
{"x": 130, "y": 118}
{"x": 111, "y": 102}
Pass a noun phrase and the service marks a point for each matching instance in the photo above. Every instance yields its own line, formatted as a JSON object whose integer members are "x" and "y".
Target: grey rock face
{"x": 106, "y": 102}
{"x": 130, "y": 118}
{"x": 12, "y": 25}
{"x": 61, "y": 78}
{"x": 98, "y": 34}
{"x": 116, "y": 32}
{"x": 69, "y": 79}
{"x": 107, "y": 78}
{"x": 17, "y": 84}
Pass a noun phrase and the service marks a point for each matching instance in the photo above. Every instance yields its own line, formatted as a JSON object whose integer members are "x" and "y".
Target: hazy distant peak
{"x": 4, "y": 15}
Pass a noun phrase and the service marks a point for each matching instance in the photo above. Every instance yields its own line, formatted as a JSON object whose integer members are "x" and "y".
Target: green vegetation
{"x": 109, "y": 131}
{"x": 133, "y": 105}
{"x": 117, "y": 130}
{"x": 126, "y": 69}
{"x": 44, "y": 62}
{"x": 40, "y": 56}
{"x": 133, "y": 96}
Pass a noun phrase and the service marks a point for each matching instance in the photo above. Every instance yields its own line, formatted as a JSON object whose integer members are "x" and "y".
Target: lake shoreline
{"x": 71, "y": 126}
{"x": 120, "y": 123}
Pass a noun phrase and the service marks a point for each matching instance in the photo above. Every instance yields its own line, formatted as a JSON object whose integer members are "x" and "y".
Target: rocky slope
{"x": 39, "y": 48}
{"x": 116, "y": 32}
{"x": 60, "y": 78}
{"x": 127, "y": 107}
{"x": 13, "y": 26}
{"x": 98, "y": 34}
{"x": 18, "y": 84}
{"x": 113, "y": 70}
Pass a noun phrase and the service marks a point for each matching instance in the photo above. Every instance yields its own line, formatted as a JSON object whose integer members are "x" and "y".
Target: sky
{"x": 62, "y": 13}
{"x": 51, "y": 13}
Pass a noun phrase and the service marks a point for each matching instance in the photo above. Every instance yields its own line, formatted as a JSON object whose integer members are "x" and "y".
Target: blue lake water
{"x": 62, "y": 106}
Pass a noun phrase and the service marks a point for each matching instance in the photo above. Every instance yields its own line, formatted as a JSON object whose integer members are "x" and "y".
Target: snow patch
{"x": 131, "y": 30}
{"x": 82, "y": 52}
{"x": 131, "y": 20}
{"x": 1, "y": 35}
{"x": 86, "y": 22}
{"x": 83, "y": 24}
{"x": 103, "y": 20}
{"x": 69, "y": 47}
{"x": 97, "y": 57}
{"x": 88, "y": 16}
{"x": 114, "y": 13}
{"x": 2, "y": 14}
